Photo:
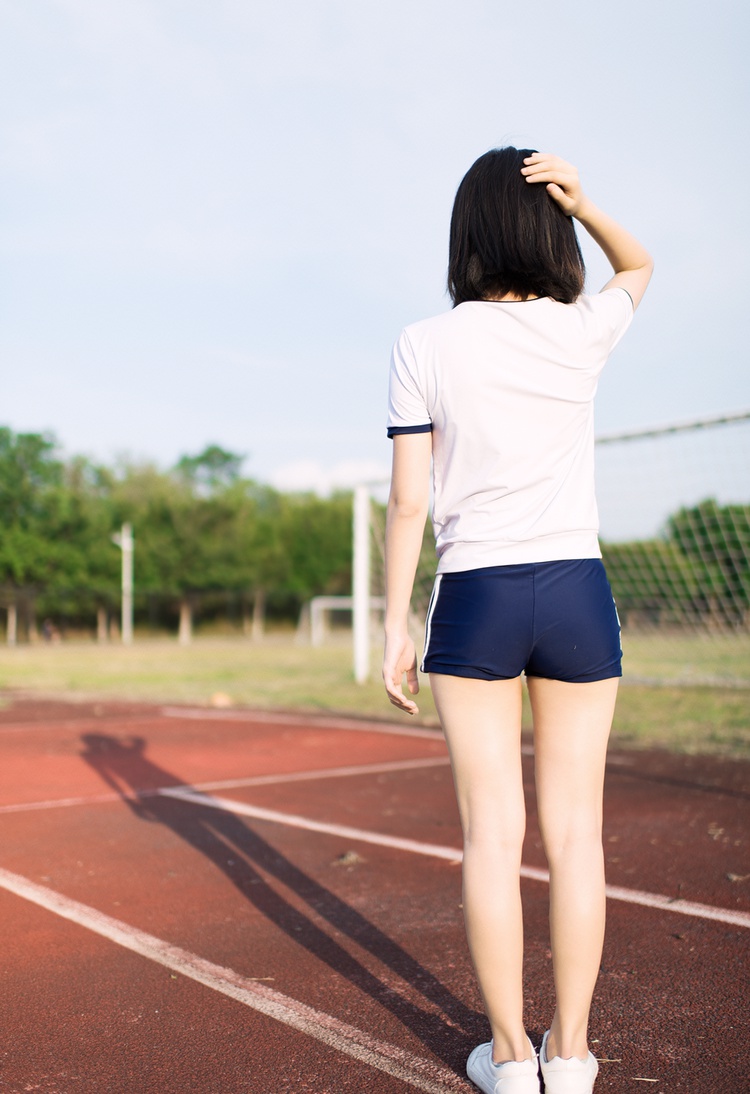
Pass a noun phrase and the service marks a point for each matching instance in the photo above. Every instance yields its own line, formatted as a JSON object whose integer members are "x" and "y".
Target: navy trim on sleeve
{"x": 397, "y": 430}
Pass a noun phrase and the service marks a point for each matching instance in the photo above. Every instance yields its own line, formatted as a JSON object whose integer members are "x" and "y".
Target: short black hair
{"x": 510, "y": 236}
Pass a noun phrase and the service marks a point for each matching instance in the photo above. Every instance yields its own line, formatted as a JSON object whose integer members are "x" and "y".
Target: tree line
{"x": 207, "y": 539}
{"x": 211, "y": 542}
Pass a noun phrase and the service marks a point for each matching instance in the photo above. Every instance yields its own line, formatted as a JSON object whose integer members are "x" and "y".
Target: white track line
{"x": 61, "y": 803}
{"x": 685, "y": 907}
{"x": 304, "y": 721}
{"x": 327, "y": 773}
{"x": 232, "y": 784}
{"x": 420, "y": 1073}
{"x": 452, "y": 854}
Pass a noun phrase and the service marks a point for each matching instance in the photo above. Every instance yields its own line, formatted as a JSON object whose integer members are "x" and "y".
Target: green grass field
{"x": 718, "y": 659}
{"x": 278, "y": 673}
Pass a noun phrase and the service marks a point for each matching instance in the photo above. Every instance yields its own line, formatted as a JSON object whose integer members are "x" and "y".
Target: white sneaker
{"x": 513, "y": 1077}
{"x": 571, "y": 1076}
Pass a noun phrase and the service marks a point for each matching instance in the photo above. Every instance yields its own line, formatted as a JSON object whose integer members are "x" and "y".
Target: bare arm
{"x": 631, "y": 262}
{"x": 407, "y": 512}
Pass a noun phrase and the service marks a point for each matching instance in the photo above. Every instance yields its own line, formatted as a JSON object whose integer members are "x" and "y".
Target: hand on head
{"x": 560, "y": 177}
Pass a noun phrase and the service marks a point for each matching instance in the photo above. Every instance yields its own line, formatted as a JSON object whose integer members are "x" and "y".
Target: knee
{"x": 490, "y": 840}
{"x": 580, "y": 837}
{"x": 581, "y": 848}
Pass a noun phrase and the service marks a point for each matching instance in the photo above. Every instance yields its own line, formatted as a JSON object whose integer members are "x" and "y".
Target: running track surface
{"x": 228, "y": 901}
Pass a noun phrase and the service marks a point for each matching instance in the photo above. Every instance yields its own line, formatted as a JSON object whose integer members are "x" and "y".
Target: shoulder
{"x": 432, "y": 326}
{"x": 601, "y": 320}
{"x": 417, "y": 339}
{"x": 598, "y": 315}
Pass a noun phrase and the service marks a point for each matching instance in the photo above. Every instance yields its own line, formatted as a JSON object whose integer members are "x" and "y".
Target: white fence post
{"x": 124, "y": 540}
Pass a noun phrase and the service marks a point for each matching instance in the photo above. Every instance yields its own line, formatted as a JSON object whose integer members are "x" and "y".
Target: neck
{"x": 510, "y": 297}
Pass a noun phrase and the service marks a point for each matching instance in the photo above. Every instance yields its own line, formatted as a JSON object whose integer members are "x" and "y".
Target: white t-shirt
{"x": 507, "y": 390}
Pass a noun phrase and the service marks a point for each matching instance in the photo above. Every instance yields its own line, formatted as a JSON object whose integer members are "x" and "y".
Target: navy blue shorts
{"x": 552, "y": 619}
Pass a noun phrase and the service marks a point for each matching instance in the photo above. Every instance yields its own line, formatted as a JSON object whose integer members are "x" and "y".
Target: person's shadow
{"x": 245, "y": 857}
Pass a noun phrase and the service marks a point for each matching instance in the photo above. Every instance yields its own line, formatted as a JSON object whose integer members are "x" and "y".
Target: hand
{"x": 563, "y": 184}
{"x": 400, "y": 657}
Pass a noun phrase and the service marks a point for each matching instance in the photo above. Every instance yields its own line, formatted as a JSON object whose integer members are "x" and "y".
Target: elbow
{"x": 644, "y": 264}
{"x": 407, "y": 508}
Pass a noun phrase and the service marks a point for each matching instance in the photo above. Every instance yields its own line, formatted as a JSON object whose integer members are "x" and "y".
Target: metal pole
{"x": 124, "y": 540}
{"x": 361, "y": 584}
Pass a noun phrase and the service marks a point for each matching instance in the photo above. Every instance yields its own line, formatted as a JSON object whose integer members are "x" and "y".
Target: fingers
{"x": 398, "y": 699}
{"x": 393, "y": 672}
{"x": 557, "y": 193}
{"x": 543, "y": 168}
{"x": 412, "y": 680}
{"x": 559, "y": 176}
{"x": 541, "y": 163}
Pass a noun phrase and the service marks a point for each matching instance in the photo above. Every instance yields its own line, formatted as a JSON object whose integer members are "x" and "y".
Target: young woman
{"x": 498, "y": 395}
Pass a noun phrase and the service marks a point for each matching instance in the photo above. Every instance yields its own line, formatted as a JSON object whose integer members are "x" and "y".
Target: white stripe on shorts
{"x": 428, "y": 620}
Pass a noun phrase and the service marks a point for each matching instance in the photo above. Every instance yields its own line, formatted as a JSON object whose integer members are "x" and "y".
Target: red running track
{"x": 227, "y": 901}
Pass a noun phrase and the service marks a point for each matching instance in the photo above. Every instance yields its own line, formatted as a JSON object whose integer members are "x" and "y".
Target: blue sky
{"x": 217, "y": 217}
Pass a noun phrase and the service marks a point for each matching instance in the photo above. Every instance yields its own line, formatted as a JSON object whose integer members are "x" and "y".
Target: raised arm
{"x": 407, "y": 512}
{"x": 631, "y": 262}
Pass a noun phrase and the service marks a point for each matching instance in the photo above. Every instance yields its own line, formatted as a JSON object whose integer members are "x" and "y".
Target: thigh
{"x": 571, "y": 731}
{"x": 481, "y": 720}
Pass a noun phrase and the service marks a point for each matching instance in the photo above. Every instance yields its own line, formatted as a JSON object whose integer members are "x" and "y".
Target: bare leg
{"x": 482, "y": 724}
{"x": 571, "y": 729}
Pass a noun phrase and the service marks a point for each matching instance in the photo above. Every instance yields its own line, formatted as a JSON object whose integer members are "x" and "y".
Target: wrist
{"x": 585, "y": 210}
{"x": 396, "y": 628}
